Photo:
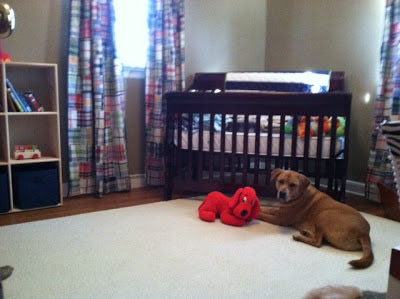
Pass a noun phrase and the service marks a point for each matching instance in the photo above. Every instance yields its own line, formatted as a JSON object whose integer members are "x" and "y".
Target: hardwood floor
{"x": 87, "y": 204}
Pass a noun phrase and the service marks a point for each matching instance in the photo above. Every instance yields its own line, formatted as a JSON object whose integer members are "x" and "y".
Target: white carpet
{"x": 164, "y": 250}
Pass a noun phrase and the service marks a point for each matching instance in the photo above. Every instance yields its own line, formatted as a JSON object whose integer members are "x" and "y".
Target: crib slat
{"x": 320, "y": 135}
{"x": 281, "y": 141}
{"x": 222, "y": 150}
{"x": 190, "y": 146}
{"x": 306, "y": 144}
{"x": 294, "y": 163}
{"x": 332, "y": 151}
{"x": 257, "y": 149}
{"x": 179, "y": 156}
{"x": 211, "y": 153}
{"x": 268, "y": 159}
{"x": 200, "y": 150}
{"x": 245, "y": 149}
{"x": 233, "y": 155}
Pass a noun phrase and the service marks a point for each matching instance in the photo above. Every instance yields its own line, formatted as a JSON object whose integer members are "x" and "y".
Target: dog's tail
{"x": 368, "y": 256}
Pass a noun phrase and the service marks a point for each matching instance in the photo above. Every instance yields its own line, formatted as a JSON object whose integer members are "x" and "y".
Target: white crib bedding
{"x": 312, "y": 153}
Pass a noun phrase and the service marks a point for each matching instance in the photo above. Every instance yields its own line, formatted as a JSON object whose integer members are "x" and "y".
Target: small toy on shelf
{"x": 5, "y": 57}
{"x": 22, "y": 152}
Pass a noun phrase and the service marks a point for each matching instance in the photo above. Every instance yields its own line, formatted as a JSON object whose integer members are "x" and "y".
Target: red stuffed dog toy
{"x": 244, "y": 206}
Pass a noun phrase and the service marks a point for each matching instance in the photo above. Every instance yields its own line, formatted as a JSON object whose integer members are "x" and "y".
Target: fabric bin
{"x": 4, "y": 192}
{"x": 35, "y": 185}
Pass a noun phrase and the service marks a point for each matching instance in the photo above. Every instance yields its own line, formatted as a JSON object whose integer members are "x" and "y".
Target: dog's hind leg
{"x": 305, "y": 236}
{"x": 207, "y": 215}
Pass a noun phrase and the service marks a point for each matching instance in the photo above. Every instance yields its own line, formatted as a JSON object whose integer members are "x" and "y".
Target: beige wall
{"x": 228, "y": 35}
{"x": 225, "y": 35}
{"x": 338, "y": 35}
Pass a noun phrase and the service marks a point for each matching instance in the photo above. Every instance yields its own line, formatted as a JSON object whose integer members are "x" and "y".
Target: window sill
{"x": 134, "y": 72}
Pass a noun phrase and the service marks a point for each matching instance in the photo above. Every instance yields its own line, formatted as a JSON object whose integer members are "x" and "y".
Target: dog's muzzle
{"x": 282, "y": 195}
{"x": 244, "y": 213}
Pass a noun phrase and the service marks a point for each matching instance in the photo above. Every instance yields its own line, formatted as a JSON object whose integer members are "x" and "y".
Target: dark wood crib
{"x": 227, "y": 140}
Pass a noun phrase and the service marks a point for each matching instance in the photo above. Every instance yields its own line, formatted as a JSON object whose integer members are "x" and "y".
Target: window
{"x": 131, "y": 33}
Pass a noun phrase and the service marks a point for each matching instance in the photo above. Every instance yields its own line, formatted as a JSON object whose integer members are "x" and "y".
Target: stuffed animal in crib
{"x": 313, "y": 126}
{"x": 242, "y": 207}
{"x": 340, "y": 126}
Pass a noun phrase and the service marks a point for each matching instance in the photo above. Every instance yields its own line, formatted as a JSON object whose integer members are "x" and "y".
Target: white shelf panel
{"x": 30, "y": 161}
{"x": 25, "y": 128}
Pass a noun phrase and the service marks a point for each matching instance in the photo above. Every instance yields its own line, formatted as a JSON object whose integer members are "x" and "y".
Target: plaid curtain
{"x": 96, "y": 108}
{"x": 387, "y": 102}
{"x": 164, "y": 72}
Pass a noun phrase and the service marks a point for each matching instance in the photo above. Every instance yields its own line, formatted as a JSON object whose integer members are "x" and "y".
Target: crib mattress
{"x": 312, "y": 153}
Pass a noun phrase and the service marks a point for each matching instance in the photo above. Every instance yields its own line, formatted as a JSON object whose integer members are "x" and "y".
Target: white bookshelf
{"x": 25, "y": 128}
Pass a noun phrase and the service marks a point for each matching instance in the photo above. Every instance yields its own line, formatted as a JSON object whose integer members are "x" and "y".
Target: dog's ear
{"x": 274, "y": 174}
{"x": 305, "y": 181}
{"x": 234, "y": 200}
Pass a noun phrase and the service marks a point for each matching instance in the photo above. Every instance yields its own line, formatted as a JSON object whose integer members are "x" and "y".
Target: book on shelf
{"x": 33, "y": 101}
{"x": 10, "y": 103}
{"x": 19, "y": 98}
{"x": 13, "y": 102}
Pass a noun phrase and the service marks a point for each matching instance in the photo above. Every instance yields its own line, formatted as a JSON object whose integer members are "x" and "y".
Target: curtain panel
{"x": 96, "y": 102}
{"x": 387, "y": 102}
{"x": 164, "y": 72}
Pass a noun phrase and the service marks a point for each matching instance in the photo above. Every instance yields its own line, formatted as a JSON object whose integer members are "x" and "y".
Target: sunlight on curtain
{"x": 131, "y": 33}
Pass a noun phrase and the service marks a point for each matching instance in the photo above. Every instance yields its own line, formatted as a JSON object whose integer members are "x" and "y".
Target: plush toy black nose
{"x": 282, "y": 195}
{"x": 244, "y": 213}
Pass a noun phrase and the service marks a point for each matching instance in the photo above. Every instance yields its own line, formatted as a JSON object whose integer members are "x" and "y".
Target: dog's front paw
{"x": 297, "y": 236}
{"x": 305, "y": 233}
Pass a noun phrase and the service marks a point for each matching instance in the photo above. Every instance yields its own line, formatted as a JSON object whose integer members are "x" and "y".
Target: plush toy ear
{"x": 255, "y": 211}
{"x": 234, "y": 200}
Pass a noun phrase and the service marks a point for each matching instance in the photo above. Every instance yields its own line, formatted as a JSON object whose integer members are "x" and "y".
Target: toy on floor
{"x": 242, "y": 207}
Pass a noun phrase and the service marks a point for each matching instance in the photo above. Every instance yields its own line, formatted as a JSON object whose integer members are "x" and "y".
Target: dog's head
{"x": 289, "y": 184}
{"x": 245, "y": 204}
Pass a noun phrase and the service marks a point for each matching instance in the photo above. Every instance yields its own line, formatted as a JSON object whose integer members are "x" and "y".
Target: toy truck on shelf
{"x": 22, "y": 152}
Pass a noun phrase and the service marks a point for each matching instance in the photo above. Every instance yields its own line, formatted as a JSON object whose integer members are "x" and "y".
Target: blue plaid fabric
{"x": 164, "y": 72}
{"x": 387, "y": 102}
{"x": 96, "y": 104}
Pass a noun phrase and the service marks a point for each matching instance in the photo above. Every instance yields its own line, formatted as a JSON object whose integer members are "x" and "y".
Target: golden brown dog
{"x": 317, "y": 216}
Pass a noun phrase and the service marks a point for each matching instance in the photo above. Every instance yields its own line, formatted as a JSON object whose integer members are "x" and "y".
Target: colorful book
{"x": 17, "y": 96}
{"x": 10, "y": 103}
{"x": 17, "y": 104}
{"x": 33, "y": 102}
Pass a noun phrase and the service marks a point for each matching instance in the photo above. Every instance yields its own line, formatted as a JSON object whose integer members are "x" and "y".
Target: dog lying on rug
{"x": 317, "y": 216}
{"x": 242, "y": 207}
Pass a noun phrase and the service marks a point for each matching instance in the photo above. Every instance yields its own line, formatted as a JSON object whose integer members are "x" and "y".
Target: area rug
{"x": 163, "y": 250}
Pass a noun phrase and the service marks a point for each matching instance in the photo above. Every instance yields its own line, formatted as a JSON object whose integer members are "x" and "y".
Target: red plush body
{"x": 242, "y": 207}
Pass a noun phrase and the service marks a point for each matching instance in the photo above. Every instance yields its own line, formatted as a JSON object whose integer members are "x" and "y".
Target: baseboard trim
{"x": 139, "y": 181}
{"x": 355, "y": 188}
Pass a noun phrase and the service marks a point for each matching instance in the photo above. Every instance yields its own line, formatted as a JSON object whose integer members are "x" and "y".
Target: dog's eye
{"x": 292, "y": 185}
{"x": 252, "y": 203}
{"x": 244, "y": 199}
{"x": 281, "y": 182}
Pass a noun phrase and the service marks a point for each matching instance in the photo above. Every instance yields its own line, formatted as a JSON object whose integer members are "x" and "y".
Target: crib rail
{"x": 199, "y": 163}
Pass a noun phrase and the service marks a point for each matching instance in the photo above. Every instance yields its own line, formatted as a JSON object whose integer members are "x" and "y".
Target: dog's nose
{"x": 282, "y": 195}
{"x": 244, "y": 213}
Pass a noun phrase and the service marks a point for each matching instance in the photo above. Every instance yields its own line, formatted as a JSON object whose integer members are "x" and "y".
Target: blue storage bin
{"x": 4, "y": 192}
{"x": 35, "y": 185}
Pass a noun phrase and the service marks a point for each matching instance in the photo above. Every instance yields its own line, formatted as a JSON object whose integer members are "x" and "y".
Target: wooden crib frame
{"x": 189, "y": 169}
